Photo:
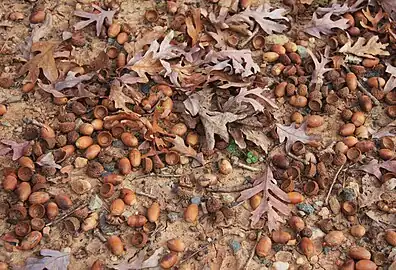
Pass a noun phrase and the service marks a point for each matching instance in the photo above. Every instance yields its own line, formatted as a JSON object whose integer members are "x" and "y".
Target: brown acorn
{"x": 37, "y": 16}
{"x": 263, "y": 247}
{"x": 365, "y": 146}
{"x": 148, "y": 165}
{"x": 106, "y": 190}
{"x": 358, "y": 231}
{"x": 39, "y": 197}
{"x": 168, "y": 260}
{"x": 386, "y": 154}
{"x": 117, "y": 207}
{"x": 153, "y": 212}
{"x": 151, "y": 15}
{"x": 25, "y": 173}
{"x": 359, "y": 253}
{"x": 365, "y": 265}
{"x": 334, "y": 238}
{"x": 172, "y": 158}
{"x": 347, "y": 129}
{"x": 10, "y": 183}
{"x": 136, "y": 221}
{"x": 390, "y": 237}
{"x": 117, "y": 130}
{"x": 349, "y": 208}
{"x": 179, "y": 129}
{"x": 98, "y": 265}
{"x": 31, "y": 241}
{"x": 104, "y": 138}
{"x": 113, "y": 178}
{"x": 175, "y": 245}
{"x": 270, "y": 57}
{"x": 280, "y": 89}
{"x": 281, "y": 237}
{"x": 280, "y": 161}
{"x": 365, "y": 103}
{"x": 387, "y": 143}
{"x": 84, "y": 142}
{"x": 122, "y": 38}
{"x": 22, "y": 228}
{"x": 92, "y": 151}
{"x": 296, "y": 223}
{"x": 115, "y": 244}
{"x": 97, "y": 124}
{"x": 100, "y": 112}
{"x": 255, "y": 201}
{"x": 135, "y": 158}
{"x": 52, "y": 210}
{"x": 3, "y": 109}
{"x": 307, "y": 247}
{"x": 37, "y": 224}
{"x": 350, "y": 141}
{"x": 128, "y": 196}
{"x": 358, "y": 118}
{"x": 23, "y": 191}
{"x": 376, "y": 82}
{"x": 63, "y": 201}
{"x": 297, "y": 117}
{"x": 391, "y": 111}
{"x": 295, "y": 197}
{"x": 191, "y": 213}
{"x": 37, "y": 210}
{"x": 354, "y": 154}
{"x": 225, "y": 167}
{"x": 66, "y": 127}
{"x": 129, "y": 139}
{"x": 17, "y": 212}
{"x": 124, "y": 165}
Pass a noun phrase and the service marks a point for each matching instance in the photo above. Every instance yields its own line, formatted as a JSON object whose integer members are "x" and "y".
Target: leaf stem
{"x": 253, "y": 250}
{"x": 332, "y": 184}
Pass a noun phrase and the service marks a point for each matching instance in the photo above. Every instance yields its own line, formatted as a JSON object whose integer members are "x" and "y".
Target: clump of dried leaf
{"x": 52, "y": 259}
{"x": 194, "y": 25}
{"x": 320, "y": 67}
{"x": 363, "y": 49}
{"x": 291, "y": 134}
{"x": 390, "y": 7}
{"x": 373, "y": 167}
{"x": 16, "y": 148}
{"x": 325, "y": 25}
{"x": 93, "y": 17}
{"x": 138, "y": 262}
{"x": 373, "y": 193}
{"x": 338, "y": 9}
{"x": 255, "y": 94}
{"x": 274, "y": 200}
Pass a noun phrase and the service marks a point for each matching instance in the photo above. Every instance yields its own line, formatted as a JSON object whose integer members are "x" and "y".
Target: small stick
{"x": 33, "y": 121}
{"x": 145, "y": 194}
{"x": 157, "y": 175}
{"x": 13, "y": 99}
{"x": 245, "y": 42}
{"x": 236, "y": 162}
{"x": 56, "y": 221}
{"x": 332, "y": 184}
{"x": 364, "y": 90}
{"x": 252, "y": 253}
{"x": 230, "y": 189}
{"x": 297, "y": 158}
{"x": 99, "y": 235}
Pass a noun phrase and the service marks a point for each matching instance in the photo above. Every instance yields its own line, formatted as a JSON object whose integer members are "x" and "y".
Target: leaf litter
{"x": 51, "y": 259}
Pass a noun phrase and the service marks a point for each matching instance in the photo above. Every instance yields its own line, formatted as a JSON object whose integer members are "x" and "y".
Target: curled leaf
{"x": 338, "y": 9}
{"x": 72, "y": 80}
{"x": 93, "y": 17}
{"x": 325, "y": 25}
{"x": 291, "y": 135}
{"x": 194, "y": 25}
{"x": 48, "y": 160}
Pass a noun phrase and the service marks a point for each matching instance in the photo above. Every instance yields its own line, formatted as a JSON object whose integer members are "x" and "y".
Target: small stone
{"x": 301, "y": 260}
{"x": 302, "y": 51}
{"x": 276, "y": 39}
{"x": 80, "y": 162}
{"x": 348, "y": 194}
{"x": 280, "y": 266}
{"x": 292, "y": 242}
{"x": 196, "y": 200}
{"x": 301, "y": 214}
{"x": 283, "y": 256}
{"x": 317, "y": 233}
{"x": 306, "y": 208}
{"x": 227, "y": 198}
{"x": 173, "y": 217}
{"x": 109, "y": 167}
{"x": 334, "y": 205}
{"x": 46, "y": 231}
{"x": 113, "y": 258}
{"x": 235, "y": 245}
{"x": 18, "y": 129}
{"x": 324, "y": 212}
{"x": 319, "y": 203}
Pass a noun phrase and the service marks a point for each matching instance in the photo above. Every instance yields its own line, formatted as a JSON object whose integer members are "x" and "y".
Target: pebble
{"x": 319, "y": 203}
{"x": 306, "y": 208}
{"x": 301, "y": 214}
{"x": 334, "y": 205}
{"x": 235, "y": 245}
{"x": 302, "y": 51}
{"x": 46, "y": 231}
{"x": 324, "y": 212}
{"x": 227, "y": 198}
{"x": 173, "y": 216}
{"x": 301, "y": 260}
{"x": 280, "y": 266}
{"x": 80, "y": 162}
{"x": 196, "y": 200}
{"x": 317, "y": 233}
{"x": 348, "y": 194}
{"x": 283, "y": 256}
{"x": 184, "y": 160}
{"x": 109, "y": 167}
{"x": 276, "y": 39}
{"x": 18, "y": 129}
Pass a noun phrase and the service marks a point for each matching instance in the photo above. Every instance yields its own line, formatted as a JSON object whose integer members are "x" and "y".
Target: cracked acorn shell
{"x": 22, "y": 228}
{"x": 17, "y": 212}
{"x": 37, "y": 224}
{"x": 264, "y": 246}
{"x": 90, "y": 222}
{"x": 104, "y": 138}
{"x": 106, "y": 190}
{"x": 139, "y": 239}
{"x": 37, "y": 211}
{"x": 25, "y": 173}
{"x": 153, "y": 212}
{"x": 80, "y": 186}
{"x": 179, "y": 129}
{"x": 115, "y": 244}
{"x": 113, "y": 178}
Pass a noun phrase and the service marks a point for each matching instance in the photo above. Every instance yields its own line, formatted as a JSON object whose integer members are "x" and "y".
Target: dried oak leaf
{"x": 52, "y": 259}
{"x": 44, "y": 60}
{"x": 16, "y": 148}
{"x": 236, "y": 61}
{"x": 274, "y": 200}
{"x": 216, "y": 123}
{"x": 371, "y": 193}
{"x": 388, "y": 130}
{"x": 372, "y": 47}
{"x": 292, "y": 135}
{"x": 320, "y": 67}
{"x": 48, "y": 160}
{"x": 258, "y": 137}
{"x": 324, "y": 25}
{"x": 118, "y": 96}
{"x": 263, "y": 16}
{"x": 93, "y": 17}
{"x": 373, "y": 167}
{"x": 338, "y": 9}
{"x": 183, "y": 149}
{"x": 390, "y": 7}
{"x": 139, "y": 262}
{"x": 72, "y": 80}
{"x": 255, "y": 95}
{"x": 194, "y": 25}
{"x": 373, "y": 20}
{"x": 391, "y": 83}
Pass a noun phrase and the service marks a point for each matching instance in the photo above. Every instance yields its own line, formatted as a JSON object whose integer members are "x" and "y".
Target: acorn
{"x": 376, "y": 82}
{"x": 263, "y": 247}
{"x": 80, "y": 186}
{"x": 10, "y": 183}
{"x": 128, "y": 196}
{"x": 297, "y": 117}
{"x": 315, "y": 105}
{"x": 37, "y": 16}
{"x": 287, "y": 186}
{"x": 129, "y": 139}
{"x": 135, "y": 158}
{"x": 17, "y": 212}
{"x": 153, "y": 212}
{"x": 122, "y": 38}
{"x": 97, "y": 124}
{"x": 37, "y": 224}
{"x": 176, "y": 245}
{"x": 279, "y": 49}
{"x": 52, "y": 210}
{"x": 22, "y": 228}
{"x": 387, "y": 143}
{"x": 349, "y": 17}
{"x": 280, "y": 161}
{"x": 117, "y": 130}
{"x": 362, "y": 132}
{"x": 63, "y": 201}
{"x": 72, "y": 137}
{"x": 225, "y": 167}
{"x": 136, "y": 221}
{"x": 23, "y": 191}
{"x": 179, "y": 129}
{"x": 365, "y": 265}
{"x": 115, "y": 245}
{"x": 151, "y": 15}
{"x": 113, "y": 30}
{"x": 3, "y": 266}
{"x": 37, "y": 210}
{"x": 104, "y": 138}
{"x": 281, "y": 237}
{"x": 168, "y": 260}
{"x": 98, "y": 265}
{"x": 100, "y": 112}
{"x": 30, "y": 241}
{"x": 354, "y": 154}
{"x": 3, "y": 109}
{"x": 296, "y": 223}
{"x": 39, "y": 197}
{"x": 369, "y": 63}
{"x": 255, "y": 201}
{"x": 347, "y": 129}
{"x": 359, "y": 253}
{"x": 298, "y": 101}
{"x": 124, "y": 165}
{"x": 334, "y": 238}
{"x": 307, "y": 247}
{"x": 191, "y": 213}
{"x": 84, "y": 142}
{"x": 172, "y": 158}
{"x": 270, "y": 57}
{"x": 106, "y": 190}
{"x": 391, "y": 111}
{"x": 350, "y": 141}
{"x": 66, "y": 127}
{"x": 92, "y": 151}
{"x": 192, "y": 139}
{"x": 365, "y": 103}
{"x": 113, "y": 178}
{"x": 295, "y": 197}
{"x": 311, "y": 188}
{"x": 90, "y": 222}
{"x": 390, "y": 237}
{"x": 314, "y": 121}
{"x": 358, "y": 118}
{"x": 117, "y": 207}
{"x": 61, "y": 100}
{"x": 386, "y": 154}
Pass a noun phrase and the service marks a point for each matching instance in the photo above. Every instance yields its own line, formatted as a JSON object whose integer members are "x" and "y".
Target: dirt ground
{"x": 212, "y": 242}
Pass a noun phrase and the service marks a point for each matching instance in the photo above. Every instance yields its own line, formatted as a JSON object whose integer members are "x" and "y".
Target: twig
{"x": 252, "y": 253}
{"x": 33, "y": 121}
{"x": 236, "y": 162}
{"x": 332, "y": 184}
{"x": 156, "y": 175}
{"x": 245, "y": 42}
{"x": 230, "y": 189}
{"x": 297, "y": 158}
{"x": 364, "y": 90}
{"x": 99, "y": 235}
{"x": 56, "y": 221}
{"x": 200, "y": 249}
{"x": 146, "y": 195}
{"x": 13, "y": 99}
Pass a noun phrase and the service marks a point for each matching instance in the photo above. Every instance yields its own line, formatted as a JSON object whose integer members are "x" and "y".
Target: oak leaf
{"x": 16, "y": 148}
{"x": 373, "y": 20}
{"x": 139, "y": 262}
{"x": 373, "y": 167}
{"x": 255, "y": 95}
{"x": 391, "y": 83}
{"x": 48, "y": 160}
{"x": 390, "y": 7}
{"x": 194, "y": 25}
{"x": 363, "y": 49}
{"x": 388, "y": 130}
{"x": 216, "y": 123}
{"x": 263, "y": 16}
{"x": 183, "y": 149}
{"x": 373, "y": 193}
{"x": 273, "y": 200}
{"x": 320, "y": 67}
{"x": 291, "y": 135}
{"x": 52, "y": 259}
{"x": 338, "y": 9}
{"x": 72, "y": 80}
{"x": 93, "y": 17}
{"x": 44, "y": 60}
{"x": 325, "y": 25}
{"x": 118, "y": 96}
{"x": 258, "y": 137}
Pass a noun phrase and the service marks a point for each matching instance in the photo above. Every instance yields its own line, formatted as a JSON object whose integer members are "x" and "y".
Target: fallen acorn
{"x": 365, "y": 265}
{"x": 37, "y": 224}
{"x": 295, "y": 197}
{"x": 225, "y": 167}
{"x": 113, "y": 179}
{"x": 348, "y": 265}
{"x": 359, "y": 253}
{"x": 104, "y": 138}
{"x": 98, "y": 265}
{"x": 176, "y": 245}
{"x": 307, "y": 247}
{"x": 25, "y": 173}
{"x": 115, "y": 244}
{"x": 80, "y": 186}
{"x": 10, "y": 183}
{"x": 311, "y": 188}
{"x": 334, "y": 238}
{"x": 117, "y": 207}
{"x": 106, "y": 190}
{"x": 296, "y": 223}
{"x": 63, "y": 201}
{"x": 90, "y": 222}
{"x": 358, "y": 231}
{"x": 281, "y": 237}
{"x": 39, "y": 197}
{"x": 92, "y": 151}
{"x": 179, "y": 129}
{"x": 390, "y": 237}
{"x": 263, "y": 247}
{"x": 22, "y": 228}
{"x": 168, "y": 260}
{"x": 153, "y": 212}
{"x": 52, "y": 210}
{"x": 255, "y": 201}
{"x": 37, "y": 210}
{"x": 31, "y": 241}
{"x": 191, "y": 213}
{"x": 23, "y": 191}
{"x": 124, "y": 165}
{"x": 84, "y": 142}
{"x": 72, "y": 224}
{"x": 135, "y": 158}
{"x": 136, "y": 221}
{"x": 17, "y": 212}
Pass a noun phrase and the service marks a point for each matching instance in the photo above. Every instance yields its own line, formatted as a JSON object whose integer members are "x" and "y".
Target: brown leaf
{"x": 16, "y": 148}
{"x": 49, "y": 88}
{"x": 274, "y": 200}
{"x": 338, "y": 9}
{"x": 390, "y": 7}
{"x": 391, "y": 83}
{"x": 292, "y": 135}
{"x": 180, "y": 146}
{"x": 325, "y": 25}
{"x": 373, "y": 20}
{"x": 194, "y": 25}
{"x": 388, "y": 130}
{"x": 320, "y": 67}
{"x": 44, "y": 60}
{"x": 119, "y": 98}
{"x": 258, "y": 137}
{"x": 255, "y": 94}
{"x": 94, "y": 17}
{"x": 368, "y": 50}
{"x": 373, "y": 167}
{"x": 373, "y": 190}
{"x": 148, "y": 37}
{"x": 72, "y": 80}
